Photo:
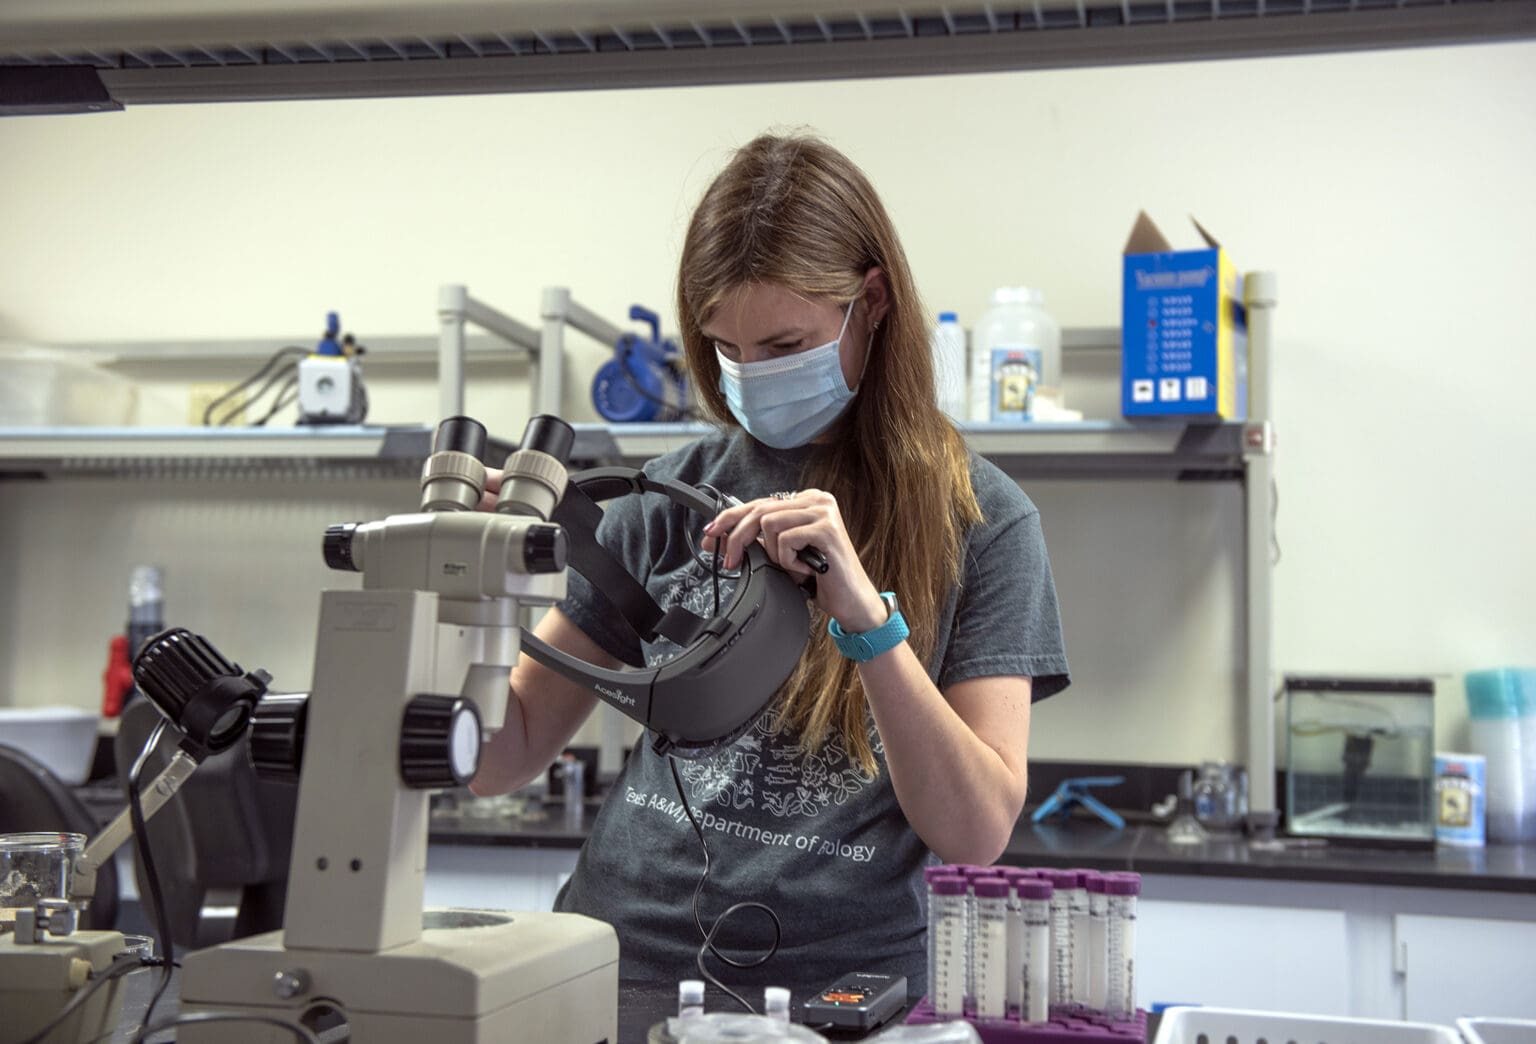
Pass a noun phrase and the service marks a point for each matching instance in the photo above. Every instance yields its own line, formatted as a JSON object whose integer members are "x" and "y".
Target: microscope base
{"x": 547, "y": 977}
{"x": 37, "y": 980}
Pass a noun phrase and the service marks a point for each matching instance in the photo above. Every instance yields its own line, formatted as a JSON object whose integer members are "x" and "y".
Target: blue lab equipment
{"x": 328, "y": 344}
{"x": 1073, "y": 792}
{"x": 644, "y": 381}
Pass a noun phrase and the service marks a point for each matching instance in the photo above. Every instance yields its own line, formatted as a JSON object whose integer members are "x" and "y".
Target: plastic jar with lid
{"x": 1501, "y": 706}
{"x": 1015, "y": 356}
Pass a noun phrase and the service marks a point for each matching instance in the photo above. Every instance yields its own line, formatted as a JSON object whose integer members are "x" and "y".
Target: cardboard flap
{"x": 1146, "y": 238}
{"x": 1210, "y": 240}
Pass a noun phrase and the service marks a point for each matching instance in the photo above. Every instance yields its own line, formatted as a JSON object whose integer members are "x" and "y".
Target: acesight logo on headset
{"x": 616, "y": 694}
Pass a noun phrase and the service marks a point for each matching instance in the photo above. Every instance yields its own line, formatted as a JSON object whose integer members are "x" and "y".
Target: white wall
{"x": 1390, "y": 190}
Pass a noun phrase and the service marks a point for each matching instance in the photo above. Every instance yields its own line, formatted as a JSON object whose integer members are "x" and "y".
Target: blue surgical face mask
{"x": 787, "y": 402}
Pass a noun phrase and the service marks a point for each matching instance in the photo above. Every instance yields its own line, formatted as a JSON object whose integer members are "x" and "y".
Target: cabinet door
{"x": 1455, "y": 966}
{"x": 1227, "y": 955}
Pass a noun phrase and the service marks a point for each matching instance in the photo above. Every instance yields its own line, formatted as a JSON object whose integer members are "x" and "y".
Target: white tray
{"x": 1498, "y": 1031}
{"x": 1234, "y": 1026}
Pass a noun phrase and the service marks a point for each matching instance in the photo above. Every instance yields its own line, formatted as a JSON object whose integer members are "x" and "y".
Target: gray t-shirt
{"x": 811, "y": 835}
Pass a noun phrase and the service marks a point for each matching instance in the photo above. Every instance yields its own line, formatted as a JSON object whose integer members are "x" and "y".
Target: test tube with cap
{"x": 989, "y": 947}
{"x": 1098, "y": 954}
{"x": 1015, "y": 936}
{"x": 1121, "y": 890}
{"x": 776, "y": 1004}
{"x": 947, "y": 946}
{"x": 1034, "y": 980}
{"x": 690, "y": 998}
{"x": 972, "y": 875}
{"x": 1062, "y": 884}
{"x": 1081, "y": 950}
{"x": 929, "y": 873}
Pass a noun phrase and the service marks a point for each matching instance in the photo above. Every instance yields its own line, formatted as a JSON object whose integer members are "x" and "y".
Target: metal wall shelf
{"x": 1093, "y": 449}
{"x": 262, "y": 50}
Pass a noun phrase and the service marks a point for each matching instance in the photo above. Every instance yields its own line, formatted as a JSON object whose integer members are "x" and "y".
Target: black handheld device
{"x": 858, "y": 1000}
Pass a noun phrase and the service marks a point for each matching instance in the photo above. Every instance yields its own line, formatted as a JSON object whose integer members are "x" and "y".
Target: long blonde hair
{"x": 794, "y": 212}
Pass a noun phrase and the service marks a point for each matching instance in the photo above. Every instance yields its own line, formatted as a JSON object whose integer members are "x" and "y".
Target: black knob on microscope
{"x": 439, "y": 742}
{"x": 460, "y": 435}
{"x": 277, "y": 736}
{"x": 203, "y": 694}
{"x": 545, "y": 549}
{"x": 338, "y": 546}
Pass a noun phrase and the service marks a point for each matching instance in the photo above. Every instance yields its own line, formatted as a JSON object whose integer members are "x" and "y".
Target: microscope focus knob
{"x": 439, "y": 742}
{"x": 338, "y": 546}
{"x": 545, "y": 549}
{"x": 277, "y": 736}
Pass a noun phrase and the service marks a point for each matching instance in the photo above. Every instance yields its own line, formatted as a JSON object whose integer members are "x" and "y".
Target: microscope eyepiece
{"x": 549, "y": 435}
{"x": 460, "y": 435}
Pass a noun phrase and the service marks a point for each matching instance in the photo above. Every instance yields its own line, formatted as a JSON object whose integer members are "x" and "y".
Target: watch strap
{"x": 865, "y": 646}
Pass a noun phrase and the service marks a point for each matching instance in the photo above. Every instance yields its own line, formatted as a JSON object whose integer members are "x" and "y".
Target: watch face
{"x": 464, "y": 744}
{"x": 892, "y": 607}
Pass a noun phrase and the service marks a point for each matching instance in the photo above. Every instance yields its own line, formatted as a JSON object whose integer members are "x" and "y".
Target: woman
{"x": 807, "y": 342}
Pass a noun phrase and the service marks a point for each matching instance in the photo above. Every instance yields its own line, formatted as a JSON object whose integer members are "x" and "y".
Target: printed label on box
{"x": 1015, "y": 372}
{"x": 1184, "y": 344}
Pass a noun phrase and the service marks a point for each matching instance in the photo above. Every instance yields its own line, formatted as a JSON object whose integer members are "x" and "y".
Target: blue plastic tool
{"x": 1073, "y": 792}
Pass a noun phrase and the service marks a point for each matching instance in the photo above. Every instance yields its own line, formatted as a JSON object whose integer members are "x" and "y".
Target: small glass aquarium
{"x": 1361, "y": 759}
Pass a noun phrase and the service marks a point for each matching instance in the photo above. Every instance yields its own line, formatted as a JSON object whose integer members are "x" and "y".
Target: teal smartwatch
{"x": 864, "y": 647}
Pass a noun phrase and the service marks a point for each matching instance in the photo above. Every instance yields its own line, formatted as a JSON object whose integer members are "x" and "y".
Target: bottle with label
{"x": 1015, "y": 356}
{"x": 948, "y": 342}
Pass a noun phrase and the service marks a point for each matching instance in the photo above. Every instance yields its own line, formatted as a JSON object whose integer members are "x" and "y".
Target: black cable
{"x": 278, "y": 379}
{"x": 709, "y": 936}
{"x": 681, "y": 406}
{"x": 301, "y": 1032}
{"x": 252, "y": 379}
{"x": 141, "y": 844}
{"x": 714, "y": 561}
{"x": 119, "y": 967}
{"x": 287, "y": 395}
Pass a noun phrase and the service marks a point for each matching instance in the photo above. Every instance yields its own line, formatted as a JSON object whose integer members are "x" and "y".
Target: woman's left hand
{"x": 810, "y": 518}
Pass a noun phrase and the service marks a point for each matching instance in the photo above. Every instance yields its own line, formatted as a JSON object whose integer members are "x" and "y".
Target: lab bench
{"x": 641, "y": 1005}
{"x": 1424, "y": 935}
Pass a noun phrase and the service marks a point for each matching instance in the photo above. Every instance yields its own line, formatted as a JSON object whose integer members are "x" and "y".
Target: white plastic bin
{"x": 1498, "y": 1031}
{"x": 43, "y": 389}
{"x": 1225, "y": 1025}
{"x": 62, "y": 738}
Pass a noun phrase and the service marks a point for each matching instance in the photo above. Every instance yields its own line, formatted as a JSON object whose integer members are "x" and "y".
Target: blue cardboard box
{"x": 1183, "y": 331}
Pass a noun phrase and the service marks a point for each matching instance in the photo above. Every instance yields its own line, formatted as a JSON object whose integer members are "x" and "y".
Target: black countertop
{"x": 1142, "y": 848}
{"x": 641, "y": 1006}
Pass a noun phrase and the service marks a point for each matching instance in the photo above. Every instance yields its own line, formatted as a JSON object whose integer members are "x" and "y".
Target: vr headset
{"x": 730, "y": 665}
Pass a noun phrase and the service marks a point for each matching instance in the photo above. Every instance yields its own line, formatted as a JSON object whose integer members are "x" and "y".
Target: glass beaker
{"x": 34, "y": 867}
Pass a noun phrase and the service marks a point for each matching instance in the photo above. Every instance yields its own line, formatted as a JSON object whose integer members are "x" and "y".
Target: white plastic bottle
{"x": 1015, "y": 356}
{"x": 948, "y": 343}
